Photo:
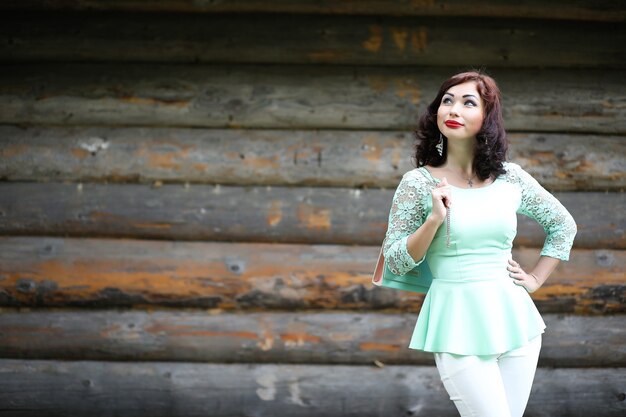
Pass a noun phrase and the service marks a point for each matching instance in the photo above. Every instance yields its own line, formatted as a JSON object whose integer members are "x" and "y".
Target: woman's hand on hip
{"x": 521, "y": 278}
{"x": 441, "y": 197}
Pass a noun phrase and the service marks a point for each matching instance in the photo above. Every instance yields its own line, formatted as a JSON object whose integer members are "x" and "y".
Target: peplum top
{"x": 473, "y": 307}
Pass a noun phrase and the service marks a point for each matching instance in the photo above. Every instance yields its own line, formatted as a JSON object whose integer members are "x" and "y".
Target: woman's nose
{"x": 453, "y": 112}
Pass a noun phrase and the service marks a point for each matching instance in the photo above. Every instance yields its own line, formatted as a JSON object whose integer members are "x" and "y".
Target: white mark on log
{"x": 217, "y": 189}
{"x": 604, "y": 258}
{"x": 267, "y": 392}
{"x": 267, "y": 343}
{"x": 267, "y": 339}
{"x": 356, "y": 193}
{"x": 93, "y": 145}
{"x": 79, "y": 187}
{"x": 416, "y": 409}
{"x": 294, "y": 343}
{"x": 294, "y": 392}
{"x": 235, "y": 265}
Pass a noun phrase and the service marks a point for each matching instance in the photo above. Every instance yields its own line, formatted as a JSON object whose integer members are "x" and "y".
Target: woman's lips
{"x": 452, "y": 124}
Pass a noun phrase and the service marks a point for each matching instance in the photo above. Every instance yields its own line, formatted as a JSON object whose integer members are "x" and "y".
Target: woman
{"x": 457, "y": 211}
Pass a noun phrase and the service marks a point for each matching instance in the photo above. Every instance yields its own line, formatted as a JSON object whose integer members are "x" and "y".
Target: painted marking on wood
{"x": 419, "y": 4}
{"x": 408, "y": 89}
{"x": 371, "y": 151}
{"x": 314, "y": 217}
{"x": 419, "y": 40}
{"x": 385, "y": 347}
{"x": 152, "y": 101}
{"x": 298, "y": 339}
{"x": 275, "y": 213}
{"x": 10, "y": 151}
{"x": 399, "y": 36}
{"x": 375, "y": 40}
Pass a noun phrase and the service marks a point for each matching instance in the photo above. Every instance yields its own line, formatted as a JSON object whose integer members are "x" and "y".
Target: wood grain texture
{"x": 242, "y": 276}
{"x": 27, "y": 388}
{"x": 335, "y": 158}
{"x": 310, "y": 39}
{"x": 604, "y": 10}
{"x": 304, "y": 97}
{"x": 295, "y": 337}
{"x": 258, "y": 214}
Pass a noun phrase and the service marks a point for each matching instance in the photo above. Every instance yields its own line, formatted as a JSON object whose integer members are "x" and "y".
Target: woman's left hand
{"x": 528, "y": 281}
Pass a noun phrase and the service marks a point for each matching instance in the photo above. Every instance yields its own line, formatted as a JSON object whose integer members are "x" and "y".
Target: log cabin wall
{"x": 193, "y": 197}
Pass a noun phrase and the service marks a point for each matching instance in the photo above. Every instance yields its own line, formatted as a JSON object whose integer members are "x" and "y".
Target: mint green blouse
{"x": 473, "y": 307}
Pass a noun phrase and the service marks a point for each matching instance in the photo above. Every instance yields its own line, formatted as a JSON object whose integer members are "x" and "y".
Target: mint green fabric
{"x": 473, "y": 307}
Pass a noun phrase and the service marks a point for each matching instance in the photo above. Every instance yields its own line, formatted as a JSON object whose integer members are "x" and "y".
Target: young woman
{"x": 457, "y": 211}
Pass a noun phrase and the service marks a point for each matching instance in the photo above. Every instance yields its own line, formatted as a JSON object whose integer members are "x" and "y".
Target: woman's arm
{"x": 409, "y": 232}
{"x": 538, "y": 204}
{"x": 419, "y": 241}
{"x": 533, "y": 280}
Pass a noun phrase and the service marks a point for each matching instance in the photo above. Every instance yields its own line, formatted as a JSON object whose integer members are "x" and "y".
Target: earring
{"x": 440, "y": 145}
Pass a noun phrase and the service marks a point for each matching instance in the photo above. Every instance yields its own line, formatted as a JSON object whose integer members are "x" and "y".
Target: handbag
{"x": 417, "y": 279}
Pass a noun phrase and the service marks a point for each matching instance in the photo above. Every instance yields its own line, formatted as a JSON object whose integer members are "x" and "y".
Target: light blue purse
{"x": 417, "y": 279}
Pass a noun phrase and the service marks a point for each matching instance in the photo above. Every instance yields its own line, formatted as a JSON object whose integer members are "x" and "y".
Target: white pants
{"x": 490, "y": 385}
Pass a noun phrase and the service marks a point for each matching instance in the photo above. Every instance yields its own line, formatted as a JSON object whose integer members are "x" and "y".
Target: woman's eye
{"x": 470, "y": 103}
{"x": 446, "y": 100}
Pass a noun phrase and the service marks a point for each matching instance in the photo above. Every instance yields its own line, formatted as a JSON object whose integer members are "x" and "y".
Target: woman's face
{"x": 461, "y": 112}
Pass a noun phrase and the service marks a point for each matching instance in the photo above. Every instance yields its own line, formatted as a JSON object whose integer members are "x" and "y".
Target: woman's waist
{"x": 470, "y": 268}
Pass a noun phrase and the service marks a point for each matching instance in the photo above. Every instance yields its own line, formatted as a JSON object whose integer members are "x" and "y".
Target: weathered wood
{"x": 112, "y": 272}
{"x": 310, "y": 39}
{"x": 287, "y": 97}
{"x": 259, "y": 214}
{"x": 320, "y": 338}
{"x": 280, "y": 157}
{"x": 556, "y": 9}
{"x": 31, "y": 388}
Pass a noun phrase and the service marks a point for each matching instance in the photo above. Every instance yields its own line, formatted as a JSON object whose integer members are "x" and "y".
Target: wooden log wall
{"x": 193, "y": 196}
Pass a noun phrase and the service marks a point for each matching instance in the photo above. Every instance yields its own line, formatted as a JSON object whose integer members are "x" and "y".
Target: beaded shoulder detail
{"x": 538, "y": 204}
{"x": 408, "y": 212}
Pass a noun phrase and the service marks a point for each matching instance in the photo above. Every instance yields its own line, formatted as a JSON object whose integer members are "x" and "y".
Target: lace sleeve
{"x": 406, "y": 215}
{"x": 543, "y": 207}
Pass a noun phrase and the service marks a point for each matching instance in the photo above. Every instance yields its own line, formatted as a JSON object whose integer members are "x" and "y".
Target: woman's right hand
{"x": 441, "y": 197}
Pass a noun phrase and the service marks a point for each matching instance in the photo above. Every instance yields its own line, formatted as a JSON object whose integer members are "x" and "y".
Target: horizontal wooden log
{"x": 259, "y": 214}
{"x": 31, "y": 388}
{"x": 281, "y": 157}
{"x": 287, "y": 97}
{"x": 320, "y": 338}
{"x": 110, "y": 272}
{"x": 310, "y": 39}
{"x": 556, "y": 9}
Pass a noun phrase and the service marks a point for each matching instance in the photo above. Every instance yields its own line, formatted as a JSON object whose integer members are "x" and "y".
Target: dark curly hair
{"x": 491, "y": 146}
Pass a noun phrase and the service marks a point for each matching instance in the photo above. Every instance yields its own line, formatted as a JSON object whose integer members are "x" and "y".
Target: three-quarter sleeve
{"x": 543, "y": 207}
{"x": 406, "y": 215}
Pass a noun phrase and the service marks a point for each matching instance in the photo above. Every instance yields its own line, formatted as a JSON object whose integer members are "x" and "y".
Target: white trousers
{"x": 490, "y": 385}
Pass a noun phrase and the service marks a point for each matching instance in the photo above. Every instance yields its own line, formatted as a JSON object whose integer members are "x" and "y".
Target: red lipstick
{"x": 452, "y": 124}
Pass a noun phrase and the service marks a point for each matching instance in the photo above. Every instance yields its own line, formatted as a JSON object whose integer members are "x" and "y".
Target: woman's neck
{"x": 460, "y": 158}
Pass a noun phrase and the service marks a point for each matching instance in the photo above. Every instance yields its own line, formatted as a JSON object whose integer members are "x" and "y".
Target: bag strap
{"x": 377, "y": 277}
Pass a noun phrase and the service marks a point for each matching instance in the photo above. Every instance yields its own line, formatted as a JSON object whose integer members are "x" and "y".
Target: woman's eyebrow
{"x": 466, "y": 95}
